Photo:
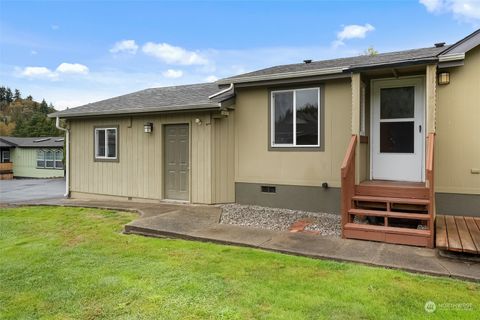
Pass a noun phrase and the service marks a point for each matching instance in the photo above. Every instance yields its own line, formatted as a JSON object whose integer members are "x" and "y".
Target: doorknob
{"x": 420, "y": 128}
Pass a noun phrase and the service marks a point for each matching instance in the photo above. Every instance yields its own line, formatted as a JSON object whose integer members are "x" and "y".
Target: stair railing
{"x": 429, "y": 179}
{"x": 348, "y": 180}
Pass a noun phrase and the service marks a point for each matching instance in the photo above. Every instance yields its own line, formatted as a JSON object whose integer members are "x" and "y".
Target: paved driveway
{"x": 19, "y": 190}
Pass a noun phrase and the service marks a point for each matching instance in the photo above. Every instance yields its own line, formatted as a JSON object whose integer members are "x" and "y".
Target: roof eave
{"x": 195, "y": 107}
{"x": 394, "y": 64}
{"x": 284, "y": 75}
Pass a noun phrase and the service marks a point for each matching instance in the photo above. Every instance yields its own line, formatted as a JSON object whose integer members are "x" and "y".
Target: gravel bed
{"x": 326, "y": 224}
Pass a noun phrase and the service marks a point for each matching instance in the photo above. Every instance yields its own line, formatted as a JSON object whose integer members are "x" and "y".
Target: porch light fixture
{"x": 148, "y": 127}
{"x": 444, "y": 78}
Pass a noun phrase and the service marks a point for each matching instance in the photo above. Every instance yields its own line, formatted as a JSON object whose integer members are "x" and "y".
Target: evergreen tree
{"x": 3, "y": 92}
{"x": 44, "y": 107}
{"x": 8, "y": 95}
{"x": 17, "y": 95}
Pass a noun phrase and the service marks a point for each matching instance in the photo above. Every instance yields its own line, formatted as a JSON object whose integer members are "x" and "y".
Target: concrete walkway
{"x": 198, "y": 222}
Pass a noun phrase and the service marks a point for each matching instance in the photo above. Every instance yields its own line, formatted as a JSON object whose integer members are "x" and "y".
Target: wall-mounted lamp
{"x": 148, "y": 127}
{"x": 444, "y": 78}
{"x": 198, "y": 121}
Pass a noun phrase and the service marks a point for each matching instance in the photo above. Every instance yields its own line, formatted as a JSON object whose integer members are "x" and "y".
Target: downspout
{"x": 67, "y": 161}
{"x": 221, "y": 92}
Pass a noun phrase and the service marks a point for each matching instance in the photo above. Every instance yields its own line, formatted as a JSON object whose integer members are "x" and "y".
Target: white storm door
{"x": 398, "y": 129}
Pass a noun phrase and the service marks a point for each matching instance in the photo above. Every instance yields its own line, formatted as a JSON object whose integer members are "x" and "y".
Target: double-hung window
{"x": 49, "y": 159}
{"x": 59, "y": 159}
{"x": 295, "y": 118}
{"x": 40, "y": 159}
{"x": 106, "y": 142}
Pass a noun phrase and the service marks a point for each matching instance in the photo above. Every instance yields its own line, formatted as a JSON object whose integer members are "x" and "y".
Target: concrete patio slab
{"x": 201, "y": 222}
{"x": 231, "y": 234}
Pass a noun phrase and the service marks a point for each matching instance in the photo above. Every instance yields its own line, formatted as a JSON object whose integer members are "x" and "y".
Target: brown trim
{"x": 117, "y": 159}
{"x": 321, "y": 148}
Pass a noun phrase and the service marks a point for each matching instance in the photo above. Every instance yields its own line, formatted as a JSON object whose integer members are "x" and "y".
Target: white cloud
{"x": 353, "y": 31}
{"x": 125, "y": 46}
{"x": 464, "y": 10}
{"x": 37, "y": 72}
{"x": 33, "y": 52}
{"x": 72, "y": 68}
{"x": 173, "y": 55}
{"x": 46, "y": 73}
{"x": 211, "y": 78}
{"x": 173, "y": 74}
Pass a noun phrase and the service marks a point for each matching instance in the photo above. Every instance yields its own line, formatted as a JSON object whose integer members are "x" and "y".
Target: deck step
{"x": 391, "y": 200}
{"x": 394, "y": 235}
{"x": 373, "y": 228}
{"x": 389, "y": 214}
{"x": 386, "y": 190}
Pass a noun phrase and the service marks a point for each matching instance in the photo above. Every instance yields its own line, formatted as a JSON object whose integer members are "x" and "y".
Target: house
{"x": 40, "y": 157}
{"x": 389, "y": 139}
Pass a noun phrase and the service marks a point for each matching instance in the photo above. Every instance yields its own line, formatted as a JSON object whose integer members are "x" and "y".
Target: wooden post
{"x": 431, "y": 97}
{"x": 356, "y": 97}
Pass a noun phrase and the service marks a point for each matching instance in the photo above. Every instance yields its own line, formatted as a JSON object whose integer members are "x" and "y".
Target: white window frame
{"x": 42, "y": 159}
{"x": 272, "y": 119}
{"x": 106, "y": 157}
{"x": 55, "y": 152}
{"x": 4, "y": 152}
{"x": 52, "y": 160}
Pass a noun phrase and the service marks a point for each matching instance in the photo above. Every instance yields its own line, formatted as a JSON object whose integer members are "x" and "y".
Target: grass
{"x": 61, "y": 263}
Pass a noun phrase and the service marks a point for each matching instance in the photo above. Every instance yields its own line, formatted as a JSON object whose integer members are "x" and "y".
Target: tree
{"x": 43, "y": 107}
{"x": 8, "y": 95}
{"x": 17, "y": 95}
{"x": 370, "y": 51}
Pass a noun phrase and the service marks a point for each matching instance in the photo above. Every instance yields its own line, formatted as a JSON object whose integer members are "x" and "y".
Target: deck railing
{"x": 348, "y": 180}
{"x": 6, "y": 166}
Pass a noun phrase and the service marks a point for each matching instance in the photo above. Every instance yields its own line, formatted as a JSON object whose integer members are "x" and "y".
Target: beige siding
{"x": 138, "y": 173}
{"x": 223, "y": 159}
{"x": 458, "y": 129}
{"x": 255, "y": 163}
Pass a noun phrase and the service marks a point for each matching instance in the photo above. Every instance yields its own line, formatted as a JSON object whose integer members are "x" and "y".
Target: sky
{"x": 72, "y": 53}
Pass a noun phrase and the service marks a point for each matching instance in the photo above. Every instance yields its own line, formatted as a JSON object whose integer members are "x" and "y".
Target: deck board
{"x": 442, "y": 242}
{"x": 464, "y": 234}
{"x": 474, "y": 232}
{"x": 458, "y": 233}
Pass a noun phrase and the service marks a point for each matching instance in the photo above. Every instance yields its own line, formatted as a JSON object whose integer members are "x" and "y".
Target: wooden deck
{"x": 458, "y": 233}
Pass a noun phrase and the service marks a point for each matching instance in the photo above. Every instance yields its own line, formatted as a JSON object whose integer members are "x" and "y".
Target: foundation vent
{"x": 269, "y": 189}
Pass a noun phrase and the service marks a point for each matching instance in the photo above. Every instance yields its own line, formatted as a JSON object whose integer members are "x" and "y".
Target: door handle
{"x": 420, "y": 128}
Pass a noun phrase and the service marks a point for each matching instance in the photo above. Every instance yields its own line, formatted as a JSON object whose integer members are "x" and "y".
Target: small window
{"x": 49, "y": 159}
{"x": 295, "y": 118}
{"x": 59, "y": 159}
{"x": 6, "y": 156}
{"x": 106, "y": 143}
{"x": 40, "y": 159}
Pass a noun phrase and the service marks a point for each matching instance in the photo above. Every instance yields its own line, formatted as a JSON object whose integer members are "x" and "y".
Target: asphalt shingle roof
{"x": 33, "y": 142}
{"x": 186, "y": 97}
{"x": 349, "y": 63}
{"x": 195, "y": 97}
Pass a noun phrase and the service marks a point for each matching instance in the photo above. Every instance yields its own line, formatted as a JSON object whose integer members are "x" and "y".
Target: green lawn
{"x": 62, "y": 263}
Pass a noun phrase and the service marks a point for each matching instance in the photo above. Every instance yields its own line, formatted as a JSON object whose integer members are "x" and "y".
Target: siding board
{"x": 138, "y": 173}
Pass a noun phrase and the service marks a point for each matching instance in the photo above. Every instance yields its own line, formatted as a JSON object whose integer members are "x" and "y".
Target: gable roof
{"x": 339, "y": 65}
{"x": 466, "y": 44}
{"x": 177, "y": 98}
{"x": 32, "y": 142}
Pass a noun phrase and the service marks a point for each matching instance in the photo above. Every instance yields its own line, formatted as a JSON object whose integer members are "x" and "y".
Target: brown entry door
{"x": 176, "y": 162}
